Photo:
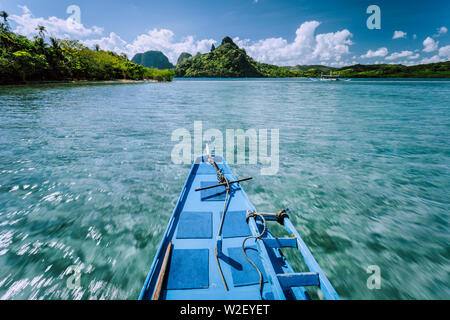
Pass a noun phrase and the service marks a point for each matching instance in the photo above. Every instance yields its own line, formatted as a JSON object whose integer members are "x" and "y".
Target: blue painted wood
{"x": 280, "y": 242}
{"x": 299, "y": 279}
{"x": 195, "y": 225}
{"x": 243, "y": 273}
{"x": 213, "y": 194}
{"x": 192, "y": 233}
{"x": 234, "y": 225}
{"x": 188, "y": 269}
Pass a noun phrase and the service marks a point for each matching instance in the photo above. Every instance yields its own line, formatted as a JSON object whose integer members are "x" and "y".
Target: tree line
{"x": 23, "y": 60}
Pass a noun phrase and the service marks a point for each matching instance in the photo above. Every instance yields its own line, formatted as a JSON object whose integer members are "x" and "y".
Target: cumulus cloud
{"x": 432, "y": 59}
{"x": 444, "y": 52}
{"x": 430, "y": 44}
{"x": 110, "y": 43}
{"x": 306, "y": 48}
{"x": 381, "y": 52}
{"x": 399, "y": 34}
{"x": 440, "y": 31}
{"x": 396, "y": 55}
{"x": 442, "y": 55}
{"x": 26, "y": 25}
{"x": 155, "y": 39}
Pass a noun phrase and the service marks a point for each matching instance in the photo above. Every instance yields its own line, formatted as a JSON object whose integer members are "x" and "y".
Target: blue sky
{"x": 282, "y": 32}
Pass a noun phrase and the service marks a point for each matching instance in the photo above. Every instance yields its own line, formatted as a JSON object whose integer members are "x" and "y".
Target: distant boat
{"x": 218, "y": 246}
{"x": 329, "y": 77}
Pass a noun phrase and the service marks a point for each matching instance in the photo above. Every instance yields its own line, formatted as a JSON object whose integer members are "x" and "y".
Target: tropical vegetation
{"x": 24, "y": 60}
{"x": 431, "y": 70}
{"x": 228, "y": 60}
{"x": 183, "y": 56}
{"x": 225, "y": 61}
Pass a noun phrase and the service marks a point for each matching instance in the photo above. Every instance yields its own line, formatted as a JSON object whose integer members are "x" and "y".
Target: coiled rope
{"x": 259, "y": 236}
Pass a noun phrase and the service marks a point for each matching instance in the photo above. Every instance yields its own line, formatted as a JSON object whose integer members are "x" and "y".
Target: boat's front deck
{"x": 193, "y": 272}
{"x": 185, "y": 266}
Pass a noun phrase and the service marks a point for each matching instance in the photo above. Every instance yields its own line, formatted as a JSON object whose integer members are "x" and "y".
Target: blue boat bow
{"x": 218, "y": 246}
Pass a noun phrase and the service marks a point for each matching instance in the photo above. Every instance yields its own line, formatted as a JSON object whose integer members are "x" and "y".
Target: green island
{"x": 228, "y": 60}
{"x": 23, "y": 60}
{"x": 431, "y": 70}
{"x": 152, "y": 59}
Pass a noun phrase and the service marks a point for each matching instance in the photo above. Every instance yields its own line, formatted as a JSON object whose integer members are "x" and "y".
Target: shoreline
{"x": 129, "y": 81}
{"x": 115, "y": 81}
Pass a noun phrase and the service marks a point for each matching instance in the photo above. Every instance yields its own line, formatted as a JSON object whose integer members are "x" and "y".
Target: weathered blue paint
{"x": 194, "y": 246}
{"x": 299, "y": 279}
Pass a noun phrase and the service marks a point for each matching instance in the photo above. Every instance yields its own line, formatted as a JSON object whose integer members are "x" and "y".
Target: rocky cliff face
{"x": 152, "y": 59}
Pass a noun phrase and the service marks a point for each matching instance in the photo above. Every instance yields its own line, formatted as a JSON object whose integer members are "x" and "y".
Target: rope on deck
{"x": 259, "y": 236}
{"x": 223, "y": 180}
{"x": 220, "y": 232}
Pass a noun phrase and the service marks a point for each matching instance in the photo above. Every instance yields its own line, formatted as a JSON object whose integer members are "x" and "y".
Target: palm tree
{"x": 54, "y": 42}
{"x": 4, "y": 15}
{"x": 42, "y": 31}
{"x": 56, "y": 46}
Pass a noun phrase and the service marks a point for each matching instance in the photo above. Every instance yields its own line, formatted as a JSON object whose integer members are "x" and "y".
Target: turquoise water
{"x": 86, "y": 179}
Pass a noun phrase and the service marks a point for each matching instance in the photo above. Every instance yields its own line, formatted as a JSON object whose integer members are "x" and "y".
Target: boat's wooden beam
{"x": 223, "y": 184}
{"x": 162, "y": 272}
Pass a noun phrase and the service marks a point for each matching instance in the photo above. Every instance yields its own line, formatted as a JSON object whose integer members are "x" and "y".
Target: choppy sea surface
{"x": 87, "y": 184}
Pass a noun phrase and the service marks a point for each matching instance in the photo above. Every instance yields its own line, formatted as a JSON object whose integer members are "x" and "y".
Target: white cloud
{"x": 306, "y": 48}
{"x": 430, "y": 44}
{"x": 332, "y": 45}
{"x": 442, "y": 30}
{"x": 381, "y": 52}
{"x": 26, "y": 25}
{"x": 111, "y": 43}
{"x": 396, "y": 55}
{"x": 155, "y": 39}
{"x": 414, "y": 56}
{"x": 445, "y": 52}
{"x": 443, "y": 55}
{"x": 433, "y": 59}
{"x": 399, "y": 34}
